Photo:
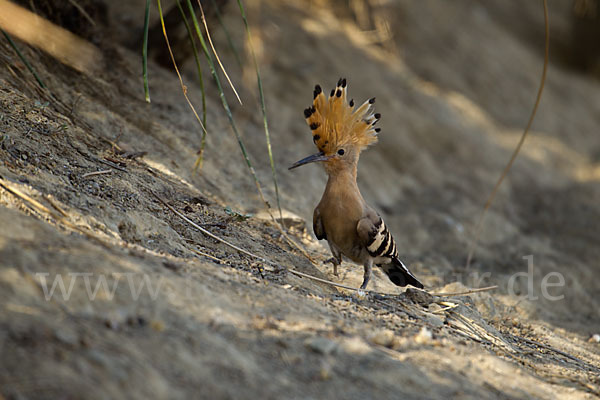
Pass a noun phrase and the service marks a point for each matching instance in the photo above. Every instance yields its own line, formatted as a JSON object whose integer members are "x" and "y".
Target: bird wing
{"x": 368, "y": 228}
{"x": 379, "y": 242}
{"x": 375, "y": 236}
{"x": 318, "y": 225}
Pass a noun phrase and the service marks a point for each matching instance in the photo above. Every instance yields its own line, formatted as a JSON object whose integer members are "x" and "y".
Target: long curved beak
{"x": 314, "y": 158}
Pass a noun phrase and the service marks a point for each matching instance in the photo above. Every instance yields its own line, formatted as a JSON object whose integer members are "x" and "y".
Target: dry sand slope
{"x": 184, "y": 316}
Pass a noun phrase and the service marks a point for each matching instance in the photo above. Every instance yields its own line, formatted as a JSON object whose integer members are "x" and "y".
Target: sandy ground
{"x": 150, "y": 307}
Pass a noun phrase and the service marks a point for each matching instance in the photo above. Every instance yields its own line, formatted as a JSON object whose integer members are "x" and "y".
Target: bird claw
{"x": 335, "y": 265}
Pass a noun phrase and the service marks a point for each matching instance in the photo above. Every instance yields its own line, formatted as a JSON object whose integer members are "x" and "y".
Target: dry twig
{"x": 557, "y": 351}
{"x": 211, "y": 235}
{"x": 90, "y": 174}
{"x": 476, "y": 290}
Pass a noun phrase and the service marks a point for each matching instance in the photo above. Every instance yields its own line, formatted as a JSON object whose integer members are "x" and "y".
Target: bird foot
{"x": 362, "y": 291}
{"x": 335, "y": 265}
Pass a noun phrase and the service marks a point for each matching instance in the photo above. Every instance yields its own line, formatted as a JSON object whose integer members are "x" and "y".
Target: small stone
{"x": 434, "y": 320}
{"x": 158, "y": 326}
{"x": 383, "y": 337}
{"x": 355, "y": 345}
{"x": 424, "y": 336}
{"x": 136, "y": 321}
{"x": 321, "y": 345}
{"x": 172, "y": 266}
{"x": 325, "y": 371}
{"x": 66, "y": 336}
{"x": 595, "y": 338}
{"x": 112, "y": 324}
{"x": 99, "y": 358}
{"x": 434, "y": 307}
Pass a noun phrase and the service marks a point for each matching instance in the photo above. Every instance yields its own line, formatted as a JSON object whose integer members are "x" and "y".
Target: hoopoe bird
{"x": 351, "y": 227}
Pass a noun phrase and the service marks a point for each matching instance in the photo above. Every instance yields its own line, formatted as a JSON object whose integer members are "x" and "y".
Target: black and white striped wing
{"x": 382, "y": 247}
{"x": 380, "y": 242}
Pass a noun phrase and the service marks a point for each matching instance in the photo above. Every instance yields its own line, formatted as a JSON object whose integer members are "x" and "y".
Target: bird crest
{"x": 335, "y": 122}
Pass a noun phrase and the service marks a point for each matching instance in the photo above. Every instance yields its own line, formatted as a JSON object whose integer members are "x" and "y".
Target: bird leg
{"x": 367, "y": 275}
{"x": 336, "y": 262}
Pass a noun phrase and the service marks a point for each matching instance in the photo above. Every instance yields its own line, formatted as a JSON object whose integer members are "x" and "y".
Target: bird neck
{"x": 342, "y": 179}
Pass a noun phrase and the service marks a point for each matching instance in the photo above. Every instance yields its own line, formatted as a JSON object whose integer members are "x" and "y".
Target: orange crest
{"x": 334, "y": 122}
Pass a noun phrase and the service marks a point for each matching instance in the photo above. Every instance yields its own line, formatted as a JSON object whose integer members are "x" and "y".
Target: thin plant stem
{"x": 263, "y": 108}
{"x": 22, "y": 57}
{"x": 215, "y": 52}
{"x": 492, "y": 195}
{"x": 227, "y": 34}
{"x": 200, "y": 159}
{"x": 83, "y": 12}
{"x": 183, "y": 87}
{"x": 237, "y": 134}
{"x": 145, "y": 52}
{"x": 224, "y": 102}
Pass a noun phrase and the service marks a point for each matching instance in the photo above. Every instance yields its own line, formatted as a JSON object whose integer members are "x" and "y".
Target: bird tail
{"x": 400, "y": 275}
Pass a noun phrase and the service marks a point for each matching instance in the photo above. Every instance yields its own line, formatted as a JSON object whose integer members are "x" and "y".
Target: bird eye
{"x": 341, "y": 152}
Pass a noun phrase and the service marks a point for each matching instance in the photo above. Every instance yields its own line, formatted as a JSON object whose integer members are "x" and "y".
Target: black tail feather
{"x": 400, "y": 275}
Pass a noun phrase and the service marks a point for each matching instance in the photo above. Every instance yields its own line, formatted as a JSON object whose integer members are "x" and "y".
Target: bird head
{"x": 340, "y": 131}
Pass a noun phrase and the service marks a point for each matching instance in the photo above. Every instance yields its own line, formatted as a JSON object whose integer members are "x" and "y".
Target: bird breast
{"x": 340, "y": 212}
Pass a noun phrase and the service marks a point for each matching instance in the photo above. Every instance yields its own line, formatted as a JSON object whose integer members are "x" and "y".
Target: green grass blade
{"x": 22, "y": 57}
{"x": 212, "y": 46}
{"x": 200, "y": 159}
{"x": 183, "y": 87}
{"x": 236, "y": 54}
{"x": 263, "y": 108}
{"x": 224, "y": 102}
{"x": 145, "y": 52}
